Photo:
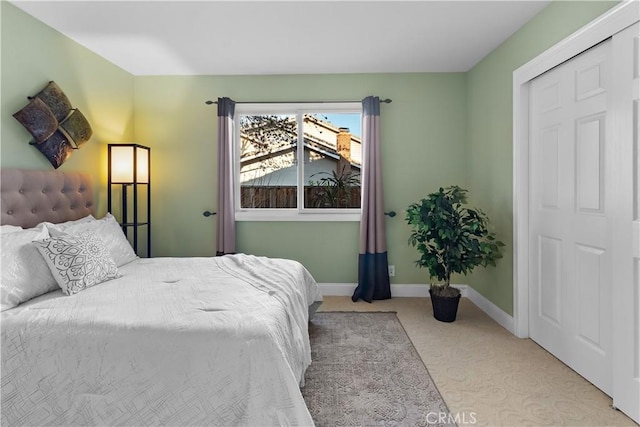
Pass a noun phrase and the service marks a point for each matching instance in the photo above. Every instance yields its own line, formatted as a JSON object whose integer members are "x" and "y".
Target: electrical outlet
{"x": 392, "y": 270}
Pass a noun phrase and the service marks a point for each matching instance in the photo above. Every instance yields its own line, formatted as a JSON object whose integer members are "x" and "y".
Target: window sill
{"x": 293, "y": 216}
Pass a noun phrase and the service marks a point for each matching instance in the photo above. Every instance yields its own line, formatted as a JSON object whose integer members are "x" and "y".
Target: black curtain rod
{"x": 386, "y": 101}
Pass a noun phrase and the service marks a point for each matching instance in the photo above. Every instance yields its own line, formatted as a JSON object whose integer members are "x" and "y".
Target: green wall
{"x": 490, "y": 125}
{"x": 423, "y": 133}
{"x": 33, "y": 54}
{"x": 441, "y": 129}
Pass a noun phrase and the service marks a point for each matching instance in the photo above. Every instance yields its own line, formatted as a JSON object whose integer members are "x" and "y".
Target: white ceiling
{"x": 286, "y": 37}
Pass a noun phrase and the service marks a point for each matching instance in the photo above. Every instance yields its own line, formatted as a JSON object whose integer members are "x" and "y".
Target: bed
{"x": 166, "y": 341}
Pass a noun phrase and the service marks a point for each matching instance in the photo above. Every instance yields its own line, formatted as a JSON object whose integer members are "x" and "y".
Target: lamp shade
{"x": 122, "y": 160}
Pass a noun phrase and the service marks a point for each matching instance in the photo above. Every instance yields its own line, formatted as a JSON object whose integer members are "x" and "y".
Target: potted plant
{"x": 451, "y": 238}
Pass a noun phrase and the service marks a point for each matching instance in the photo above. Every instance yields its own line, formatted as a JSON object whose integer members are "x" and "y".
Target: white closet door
{"x": 626, "y": 231}
{"x": 570, "y": 211}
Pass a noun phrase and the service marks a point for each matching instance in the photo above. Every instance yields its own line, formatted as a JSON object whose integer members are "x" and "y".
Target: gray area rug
{"x": 366, "y": 372}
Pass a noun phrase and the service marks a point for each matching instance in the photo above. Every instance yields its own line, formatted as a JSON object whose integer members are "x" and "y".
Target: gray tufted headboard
{"x": 30, "y": 196}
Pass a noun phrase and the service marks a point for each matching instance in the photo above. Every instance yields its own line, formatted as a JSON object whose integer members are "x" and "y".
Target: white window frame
{"x": 300, "y": 213}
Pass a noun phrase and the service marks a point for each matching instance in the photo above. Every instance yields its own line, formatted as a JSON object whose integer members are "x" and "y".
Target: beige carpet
{"x": 487, "y": 375}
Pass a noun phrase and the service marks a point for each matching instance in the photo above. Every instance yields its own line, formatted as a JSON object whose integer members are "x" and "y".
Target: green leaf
{"x": 450, "y": 236}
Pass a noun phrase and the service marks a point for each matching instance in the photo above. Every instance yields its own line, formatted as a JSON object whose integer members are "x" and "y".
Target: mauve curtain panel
{"x": 373, "y": 266}
{"x": 226, "y": 224}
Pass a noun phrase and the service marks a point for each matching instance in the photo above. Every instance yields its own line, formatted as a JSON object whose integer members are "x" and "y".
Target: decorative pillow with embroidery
{"x": 77, "y": 262}
{"x": 108, "y": 230}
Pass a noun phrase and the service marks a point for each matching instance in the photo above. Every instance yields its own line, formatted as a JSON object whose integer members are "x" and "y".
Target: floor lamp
{"x": 129, "y": 168}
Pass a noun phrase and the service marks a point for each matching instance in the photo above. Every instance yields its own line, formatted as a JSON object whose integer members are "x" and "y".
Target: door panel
{"x": 570, "y": 224}
{"x": 589, "y": 273}
{"x": 589, "y": 161}
{"x": 550, "y": 279}
{"x": 626, "y": 231}
{"x": 549, "y": 157}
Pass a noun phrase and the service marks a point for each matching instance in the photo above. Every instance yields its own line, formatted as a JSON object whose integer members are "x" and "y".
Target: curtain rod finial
{"x": 210, "y": 102}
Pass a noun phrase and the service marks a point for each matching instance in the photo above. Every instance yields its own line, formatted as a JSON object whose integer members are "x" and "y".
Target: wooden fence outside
{"x": 285, "y": 197}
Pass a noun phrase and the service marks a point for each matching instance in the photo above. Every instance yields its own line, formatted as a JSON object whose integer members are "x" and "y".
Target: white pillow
{"x": 62, "y": 226}
{"x": 9, "y": 228}
{"x": 77, "y": 262}
{"x": 25, "y": 274}
{"x": 108, "y": 230}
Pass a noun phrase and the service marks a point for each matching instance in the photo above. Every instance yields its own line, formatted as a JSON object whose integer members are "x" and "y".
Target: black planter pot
{"x": 444, "y": 308}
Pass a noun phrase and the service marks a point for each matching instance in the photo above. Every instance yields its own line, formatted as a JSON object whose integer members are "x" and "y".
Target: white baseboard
{"x": 337, "y": 289}
{"x": 422, "y": 291}
{"x": 397, "y": 290}
{"x": 419, "y": 290}
{"x": 496, "y": 313}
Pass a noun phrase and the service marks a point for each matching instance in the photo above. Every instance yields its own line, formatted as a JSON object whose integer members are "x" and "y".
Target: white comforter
{"x": 175, "y": 341}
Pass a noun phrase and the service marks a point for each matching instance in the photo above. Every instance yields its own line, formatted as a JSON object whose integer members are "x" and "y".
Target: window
{"x": 271, "y": 181}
